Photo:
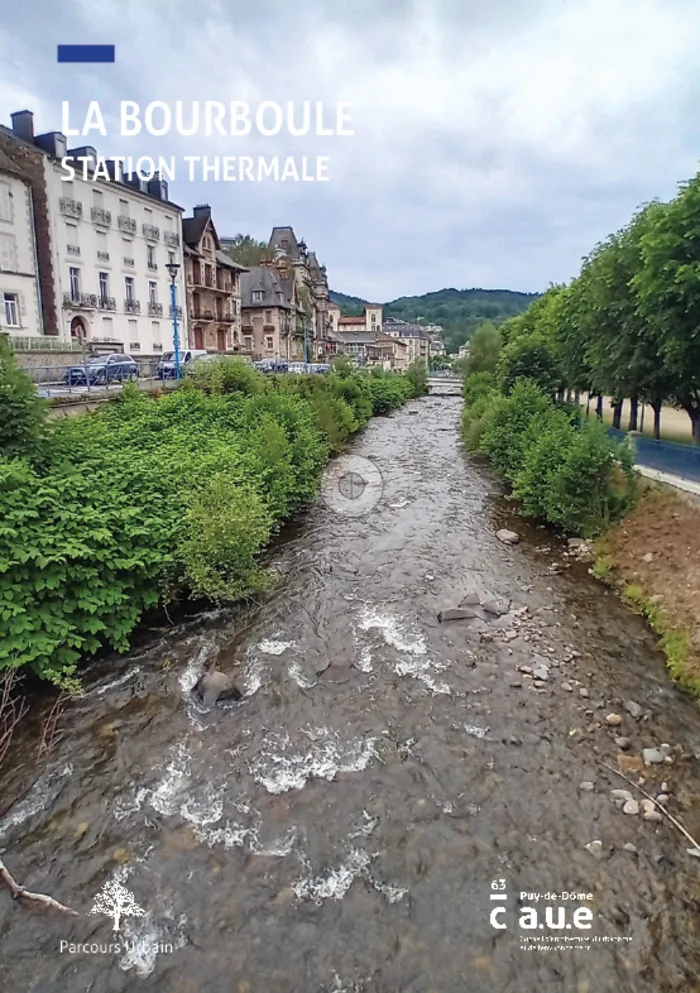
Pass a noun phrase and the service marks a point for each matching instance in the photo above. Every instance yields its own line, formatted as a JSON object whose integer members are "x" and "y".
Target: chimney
{"x": 202, "y": 210}
{"x": 23, "y": 125}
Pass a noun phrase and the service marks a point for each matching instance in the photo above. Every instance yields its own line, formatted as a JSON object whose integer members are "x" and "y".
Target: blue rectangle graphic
{"x": 86, "y": 53}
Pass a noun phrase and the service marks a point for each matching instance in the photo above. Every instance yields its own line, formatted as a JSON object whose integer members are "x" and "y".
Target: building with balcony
{"x": 372, "y": 347}
{"x": 20, "y": 299}
{"x": 416, "y": 337}
{"x": 270, "y": 328}
{"x": 213, "y": 287}
{"x": 310, "y": 289}
{"x": 103, "y": 247}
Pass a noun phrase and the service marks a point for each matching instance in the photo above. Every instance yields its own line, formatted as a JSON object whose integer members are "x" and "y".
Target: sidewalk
{"x": 668, "y": 480}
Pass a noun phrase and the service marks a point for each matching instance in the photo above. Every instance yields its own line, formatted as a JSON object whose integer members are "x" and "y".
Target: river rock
{"x": 541, "y": 672}
{"x": 623, "y": 743}
{"x": 510, "y": 635}
{"x": 496, "y": 607}
{"x": 613, "y": 720}
{"x": 629, "y": 847}
{"x": 649, "y": 811}
{"x": 457, "y": 614}
{"x": 576, "y": 542}
{"x": 507, "y": 537}
{"x": 652, "y": 756}
{"x": 595, "y": 848}
{"x": 586, "y": 786}
{"x": 631, "y": 807}
{"x": 214, "y": 685}
{"x": 584, "y": 692}
{"x": 634, "y": 709}
{"x": 470, "y": 600}
{"x": 695, "y": 852}
{"x": 621, "y": 797}
{"x": 665, "y": 750}
{"x": 648, "y": 557}
{"x": 568, "y": 687}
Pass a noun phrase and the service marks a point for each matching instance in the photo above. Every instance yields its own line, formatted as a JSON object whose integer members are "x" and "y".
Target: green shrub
{"x": 417, "y": 375}
{"x": 225, "y": 526}
{"x": 477, "y": 385}
{"x": 475, "y": 418}
{"x": 505, "y": 436}
{"x": 530, "y": 357}
{"x": 224, "y": 375}
{"x": 22, "y": 413}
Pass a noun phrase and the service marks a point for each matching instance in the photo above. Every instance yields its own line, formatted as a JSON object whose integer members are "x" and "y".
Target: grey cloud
{"x": 495, "y": 143}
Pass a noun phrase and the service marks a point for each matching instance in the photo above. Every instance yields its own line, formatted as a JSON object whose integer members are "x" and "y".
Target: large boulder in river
{"x": 507, "y": 537}
{"x": 214, "y": 685}
{"x": 458, "y": 614}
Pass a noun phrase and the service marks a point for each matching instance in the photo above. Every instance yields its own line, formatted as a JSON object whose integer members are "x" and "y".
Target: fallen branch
{"x": 677, "y": 824}
{"x": 18, "y": 891}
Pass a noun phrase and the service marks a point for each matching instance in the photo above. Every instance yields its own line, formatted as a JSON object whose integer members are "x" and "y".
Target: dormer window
{"x": 258, "y": 296}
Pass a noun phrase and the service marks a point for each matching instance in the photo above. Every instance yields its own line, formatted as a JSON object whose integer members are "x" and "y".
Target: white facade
{"x": 20, "y": 301}
{"x": 111, "y": 245}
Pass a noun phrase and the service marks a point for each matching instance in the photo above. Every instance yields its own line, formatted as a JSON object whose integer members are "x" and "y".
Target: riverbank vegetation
{"x": 106, "y": 515}
{"x": 626, "y": 326}
{"x": 559, "y": 466}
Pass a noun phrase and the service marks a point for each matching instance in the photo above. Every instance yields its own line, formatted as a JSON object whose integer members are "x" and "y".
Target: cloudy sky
{"x": 494, "y": 143}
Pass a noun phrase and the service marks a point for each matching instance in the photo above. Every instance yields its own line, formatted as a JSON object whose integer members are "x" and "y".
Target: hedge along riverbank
{"x": 562, "y": 468}
{"x": 105, "y": 515}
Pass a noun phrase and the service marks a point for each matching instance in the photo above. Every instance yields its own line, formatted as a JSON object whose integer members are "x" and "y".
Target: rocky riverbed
{"x": 388, "y": 780}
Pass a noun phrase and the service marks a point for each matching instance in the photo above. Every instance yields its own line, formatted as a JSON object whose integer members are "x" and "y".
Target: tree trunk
{"x": 617, "y": 414}
{"x": 657, "y": 418}
{"x": 599, "y": 407}
{"x": 588, "y": 405}
{"x": 577, "y": 397}
{"x": 634, "y": 409}
{"x": 694, "y": 415}
{"x": 568, "y": 396}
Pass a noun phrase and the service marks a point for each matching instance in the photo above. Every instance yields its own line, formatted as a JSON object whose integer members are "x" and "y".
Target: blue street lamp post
{"x": 173, "y": 268}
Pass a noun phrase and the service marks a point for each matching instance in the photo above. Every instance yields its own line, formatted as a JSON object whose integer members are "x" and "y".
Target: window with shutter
{"x": 8, "y": 253}
{"x": 5, "y": 202}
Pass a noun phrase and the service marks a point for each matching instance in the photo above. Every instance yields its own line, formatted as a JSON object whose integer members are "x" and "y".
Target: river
{"x": 345, "y": 826}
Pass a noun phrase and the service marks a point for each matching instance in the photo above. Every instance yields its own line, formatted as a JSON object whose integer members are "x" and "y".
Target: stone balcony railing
{"x": 155, "y": 309}
{"x": 70, "y": 207}
{"x": 171, "y": 238}
{"x": 100, "y": 216}
{"x": 73, "y": 249}
{"x": 132, "y": 306}
{"x": 85, "y": 301}
{"x": 178, "y": 311}
{"x": 151, "y": 232}
{"x": 127, "y": 224}
{"x": 129, "y": 263}
{"x": 107, "y": 303}
{"x": 103, "y": 256}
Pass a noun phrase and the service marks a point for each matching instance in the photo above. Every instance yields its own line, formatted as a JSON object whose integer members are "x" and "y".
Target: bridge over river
{"x": 444, "y": 385}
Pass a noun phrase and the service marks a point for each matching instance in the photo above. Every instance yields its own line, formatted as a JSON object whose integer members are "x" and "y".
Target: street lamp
{"x": 173, "y": 268}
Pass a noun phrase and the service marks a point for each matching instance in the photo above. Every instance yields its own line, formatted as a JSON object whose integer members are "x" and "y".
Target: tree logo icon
{"x": 115, "y": 901}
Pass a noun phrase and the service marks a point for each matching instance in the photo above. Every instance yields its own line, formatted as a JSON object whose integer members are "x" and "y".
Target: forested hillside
{"x": 459, "y": 311}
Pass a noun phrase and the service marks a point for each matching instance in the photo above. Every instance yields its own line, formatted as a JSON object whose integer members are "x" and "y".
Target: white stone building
{"x": 112, "y": 241}
{"x": 20, "y": 302}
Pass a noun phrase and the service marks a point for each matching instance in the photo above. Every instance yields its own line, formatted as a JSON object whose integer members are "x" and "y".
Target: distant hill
{"x": 459, "y": 311}
{"x": 350, "y": 306}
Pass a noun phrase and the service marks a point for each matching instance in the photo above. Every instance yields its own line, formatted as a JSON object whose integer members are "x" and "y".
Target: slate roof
{"x": 263, "y": 278}
{"x": 285, "y": 234}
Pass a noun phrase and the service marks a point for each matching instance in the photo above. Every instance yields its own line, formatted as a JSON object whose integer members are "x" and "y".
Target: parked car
{"x": 166, "y": 366}
{"x": 272, "y": 365}
{"x": 99, "y": 370}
